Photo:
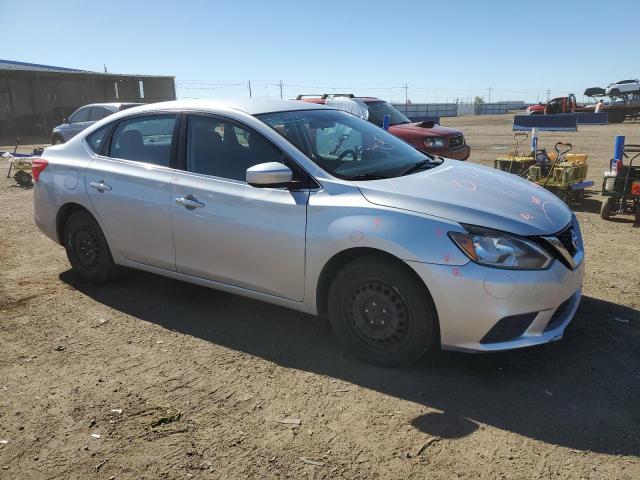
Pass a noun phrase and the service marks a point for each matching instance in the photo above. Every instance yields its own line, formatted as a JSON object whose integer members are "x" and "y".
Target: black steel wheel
{"x": 87, "y": 249}
{"x": 378, "y": 314}
{"x": 381, "y": 313}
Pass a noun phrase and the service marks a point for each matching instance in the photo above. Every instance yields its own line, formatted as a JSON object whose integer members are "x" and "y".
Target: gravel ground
{"x": 152, "y": 378}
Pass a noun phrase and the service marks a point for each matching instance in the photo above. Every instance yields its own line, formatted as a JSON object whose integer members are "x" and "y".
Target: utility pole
{"x": 249, "y": 88}
{"x": 548, "y": 94}
{"x": 406, "y": 96}
{"x": 280, "y": 88}
{"x": 489, "y": 99}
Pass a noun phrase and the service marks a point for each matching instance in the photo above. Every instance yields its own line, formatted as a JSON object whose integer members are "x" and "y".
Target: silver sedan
{"x": 317, "y": 210}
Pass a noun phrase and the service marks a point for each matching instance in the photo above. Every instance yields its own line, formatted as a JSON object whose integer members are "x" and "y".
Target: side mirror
{"x": 65, "y": 120}
{"x": 269, "y": 175}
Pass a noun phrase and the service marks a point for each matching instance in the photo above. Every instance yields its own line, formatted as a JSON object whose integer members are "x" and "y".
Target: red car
{"x": 425, "y": 136}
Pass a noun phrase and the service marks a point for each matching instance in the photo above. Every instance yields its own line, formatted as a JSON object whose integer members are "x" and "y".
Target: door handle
{"x": 100, "y": 186}
{"x": 189, "y": 202}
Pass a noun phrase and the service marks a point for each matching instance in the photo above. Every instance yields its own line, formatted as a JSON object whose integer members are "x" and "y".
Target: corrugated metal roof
{"x": 35, "y": 67}
{"x": 12, "y": 65}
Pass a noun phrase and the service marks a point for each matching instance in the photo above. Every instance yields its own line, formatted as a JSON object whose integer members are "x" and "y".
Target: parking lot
{"x": 153, "y": 378}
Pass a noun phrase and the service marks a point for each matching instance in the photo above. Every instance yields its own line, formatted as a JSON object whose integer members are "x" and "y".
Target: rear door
{"x": 130, "y": 188}
{"x": 228, "y": 231}
{"x": 98, "y": 113}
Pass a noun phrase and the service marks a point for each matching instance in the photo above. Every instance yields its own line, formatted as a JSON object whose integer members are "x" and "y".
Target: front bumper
{"x": 472, "y": 299}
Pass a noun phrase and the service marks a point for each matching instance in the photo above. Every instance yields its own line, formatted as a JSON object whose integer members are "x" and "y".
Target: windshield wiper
{"x": 366, "y": 176}
{"x": 415, "y": 167}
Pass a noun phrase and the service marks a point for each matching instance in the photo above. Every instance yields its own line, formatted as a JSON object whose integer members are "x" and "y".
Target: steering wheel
{"x": 351, "y": 152}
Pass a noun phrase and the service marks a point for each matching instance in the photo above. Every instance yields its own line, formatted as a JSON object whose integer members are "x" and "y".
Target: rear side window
{"x": 98, "y": 113}
{"x": 144, "y": 139}
{"x": 96, "y": 139}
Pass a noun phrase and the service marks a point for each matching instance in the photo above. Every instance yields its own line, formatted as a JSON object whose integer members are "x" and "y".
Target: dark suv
{"x": 85, "y": 117}
{"x": 426, "y": 136}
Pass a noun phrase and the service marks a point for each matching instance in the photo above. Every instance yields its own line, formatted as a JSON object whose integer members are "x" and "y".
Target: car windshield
{"x": 377, "y": 110}
{"x": 347, "y": 146}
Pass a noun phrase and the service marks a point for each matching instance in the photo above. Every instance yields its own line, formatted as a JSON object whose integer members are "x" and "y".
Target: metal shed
{"x": 34, "y": 98}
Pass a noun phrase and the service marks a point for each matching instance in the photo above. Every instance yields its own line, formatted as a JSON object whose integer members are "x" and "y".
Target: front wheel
{"x": 381, "y": 313}
{"x": 87, "y": 249}
{"x": 606, "y": 208}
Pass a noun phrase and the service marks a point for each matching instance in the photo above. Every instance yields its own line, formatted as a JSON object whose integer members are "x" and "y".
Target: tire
{"x": 23, "y": 178}
{"x": 87, "y": 249}
{"x": 382, "y": 314}
{"x": 606, "y": 207}
{"x": 614, "y": 92}
{"x": 616, "y": 117}
{"x": 57, "y": 140}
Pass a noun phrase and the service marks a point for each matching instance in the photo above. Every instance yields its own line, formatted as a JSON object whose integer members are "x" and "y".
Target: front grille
{"x": 456, "y": 142}
{"x": 559, "y": 315}
{"x": 564, "y": 246}
{"x": 509, "y": 328}
{"x": 566, "y": 238}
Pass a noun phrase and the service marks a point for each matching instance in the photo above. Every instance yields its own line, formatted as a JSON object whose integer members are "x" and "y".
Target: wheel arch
{"x": 342, "y": 258}
{"x": 64, "y": 212}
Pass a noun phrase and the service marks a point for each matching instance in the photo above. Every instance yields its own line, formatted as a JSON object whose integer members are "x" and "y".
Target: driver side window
{"x": 81, "y": 115}
{"x": 223, "y": 149}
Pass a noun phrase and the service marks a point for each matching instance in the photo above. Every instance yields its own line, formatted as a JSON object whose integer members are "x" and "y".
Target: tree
{"x": 478, "y": 100}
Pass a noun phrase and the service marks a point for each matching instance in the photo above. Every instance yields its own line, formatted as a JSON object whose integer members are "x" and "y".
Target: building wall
{"x": 32, "y": 103}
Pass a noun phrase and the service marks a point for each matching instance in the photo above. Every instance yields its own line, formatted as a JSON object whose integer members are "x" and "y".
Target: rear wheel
{"x": 382, "y": 314}
{"x": 606, "y": 208}
{"x": 87, "y": 249}
{"x": 616, "y": 117}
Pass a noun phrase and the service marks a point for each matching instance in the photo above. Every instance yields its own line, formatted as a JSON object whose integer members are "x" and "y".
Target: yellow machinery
{"x": 561, "y": 172}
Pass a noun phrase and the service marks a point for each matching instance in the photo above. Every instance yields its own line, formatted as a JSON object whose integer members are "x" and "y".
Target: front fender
{"x": 336, "y": 223}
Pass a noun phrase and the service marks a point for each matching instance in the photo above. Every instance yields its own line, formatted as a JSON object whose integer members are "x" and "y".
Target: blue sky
{"x": 441, "y": 50}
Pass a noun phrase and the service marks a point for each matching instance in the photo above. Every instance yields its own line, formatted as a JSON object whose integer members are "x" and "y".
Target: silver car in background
{"x": 317, "y": 210}
{"x": 83, "y": 118}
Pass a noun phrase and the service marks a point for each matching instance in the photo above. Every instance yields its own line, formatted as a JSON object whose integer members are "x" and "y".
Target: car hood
{"x": 475, "y": 195}
{"x": 423, "y": 129}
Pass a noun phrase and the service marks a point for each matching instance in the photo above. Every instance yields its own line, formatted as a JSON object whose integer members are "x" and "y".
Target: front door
{"x": 228, "y": 231}
{"x": 130, "y": 189}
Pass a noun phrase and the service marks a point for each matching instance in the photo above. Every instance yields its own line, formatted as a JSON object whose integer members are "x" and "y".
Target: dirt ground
{"x": 156, "y": 379}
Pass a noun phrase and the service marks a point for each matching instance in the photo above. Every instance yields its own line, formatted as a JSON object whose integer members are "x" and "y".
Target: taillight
{"x": 37, "y": 167}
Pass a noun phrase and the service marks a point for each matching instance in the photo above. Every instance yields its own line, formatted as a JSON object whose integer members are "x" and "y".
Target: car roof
{"x": 323, "y": 97}
{"x": 111, "y": 105}
{"x": 251, "y": 106}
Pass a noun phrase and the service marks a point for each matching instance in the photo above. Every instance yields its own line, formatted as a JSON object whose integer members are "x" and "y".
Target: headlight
{"x": 434, "y": 142}
{"x": 501, "y": 250}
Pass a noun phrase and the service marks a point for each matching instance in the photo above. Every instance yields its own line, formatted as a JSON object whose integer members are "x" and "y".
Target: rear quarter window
{"x": 96, "y": 139}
